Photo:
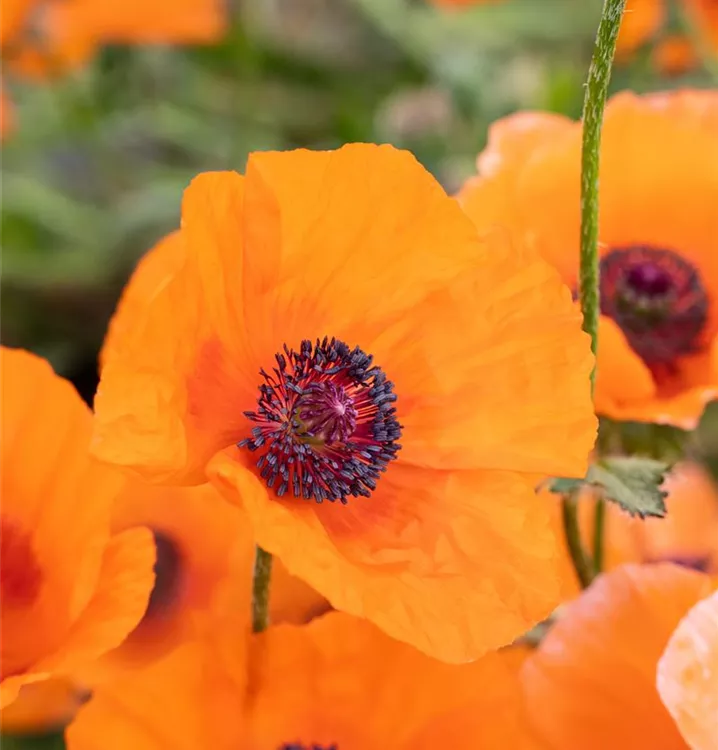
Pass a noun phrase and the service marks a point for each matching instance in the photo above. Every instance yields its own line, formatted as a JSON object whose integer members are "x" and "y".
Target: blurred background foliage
{"x": 94, "y": 169}
{"x": 96, "y": 162}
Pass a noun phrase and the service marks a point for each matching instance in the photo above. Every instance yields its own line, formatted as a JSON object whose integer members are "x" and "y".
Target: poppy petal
{"x": 688, "y": 675}
{"x": 156, "y": 712}
{"x": 119, "y": 602}
{"x": 162, "y": 351}
{"x": 506, "y": 339}
{"x": 591, "y": 683}
{"x": 390, "y": 693}
{"x": 442, "y": 560}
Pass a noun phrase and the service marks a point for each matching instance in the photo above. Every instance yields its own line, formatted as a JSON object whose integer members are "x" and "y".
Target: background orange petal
{"x": 205, "y": 545}
{"x": 494, "y": 717}
{"x": 455, "y": 563}
{"x": 54, "y": 494}
{"x": 13, "y": 15}
{"x": 153, "y": 709}
{"x": 382, "y": 693}
{"x": 120, "y": 600}
{"x": 492, "y": 200}
{"x": 135, "y": 21}
{"x": 42, "y": 707}
{"x": 705, "y": 15}
{"x": 642, "y": 19}
{"x": 591, "y": 683}
{"x": 688, "y": 675}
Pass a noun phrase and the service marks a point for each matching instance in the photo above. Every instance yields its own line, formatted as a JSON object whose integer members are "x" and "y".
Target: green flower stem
{"x": 260, "y": 590}
{"x": 599, "y": 74}
{"x": 581, "y": 562}
{"x": 599, "y": 524}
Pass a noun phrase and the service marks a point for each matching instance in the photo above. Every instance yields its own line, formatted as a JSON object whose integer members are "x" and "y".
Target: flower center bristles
{"x": 300, "y": 746}
{"x": 326, "y": 423}
{"x": 658, "y": 300}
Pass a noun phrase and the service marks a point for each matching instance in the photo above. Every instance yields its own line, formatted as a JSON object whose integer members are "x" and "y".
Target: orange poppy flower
{"x": 644, "y": 20}
{"x": 659, "y": 271}
{"x": 42, "y": 707}
{"x": 202, "y": 369}
{"x": 641, "y": 22}
{"x": 705, "y": 14}
{"x": 335, "y": 683}
{"x": 675, "y": 55}
{"x": 591, "y": 684}
{"x": 42, "y": 37}
{"x": 13, "y": 15}
{"x": 70, "y": 590}
{"x": 201, "y": 543}
{"x": 688, "y": 675}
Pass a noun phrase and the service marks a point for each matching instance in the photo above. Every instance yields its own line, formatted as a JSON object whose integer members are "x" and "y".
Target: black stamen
{"x": 326, "y": 423}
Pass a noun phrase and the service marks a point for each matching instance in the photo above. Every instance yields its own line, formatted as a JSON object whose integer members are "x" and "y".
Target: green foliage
{"x": 31, "y": 742}
{"x": 633, "y": 483}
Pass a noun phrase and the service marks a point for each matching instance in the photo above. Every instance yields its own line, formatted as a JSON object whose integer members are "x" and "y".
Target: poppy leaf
{"x": 632, "y": 483}
{"x": 565, "y": 485}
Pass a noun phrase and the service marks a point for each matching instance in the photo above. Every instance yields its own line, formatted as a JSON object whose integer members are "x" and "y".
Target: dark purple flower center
{"x": 168, "y": 576}
{"x": 658, "y": 300}
{"x": 326, "y": 423}
{"x": 300, "y": 746}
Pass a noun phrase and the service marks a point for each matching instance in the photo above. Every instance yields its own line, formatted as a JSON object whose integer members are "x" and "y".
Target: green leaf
{"x": 564, "y": 485}
{"x": 632, "y": 483}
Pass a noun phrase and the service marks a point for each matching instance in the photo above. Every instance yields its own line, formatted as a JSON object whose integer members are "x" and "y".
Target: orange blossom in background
{"x": 591, "y": 683}
{"x": 658, "y": 231}
{"x": 376, "y": 386}
{"x": 646, "y": 21}
{"x": 71, "y": 590}
{"x": 335, "y": 683}
{"x": 201, "y": 542}
{"x": 46, "y": 37}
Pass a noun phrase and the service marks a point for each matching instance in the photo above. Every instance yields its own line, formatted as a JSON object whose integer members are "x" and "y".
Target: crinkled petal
{"x": 455, "y": 563}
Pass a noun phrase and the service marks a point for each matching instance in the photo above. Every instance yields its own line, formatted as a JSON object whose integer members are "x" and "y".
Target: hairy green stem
{"x": 599, "y": 75}
{"x": 599, "y": 524}
{"x": 260, "y": 590}
{"x": 581, "y": 561}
